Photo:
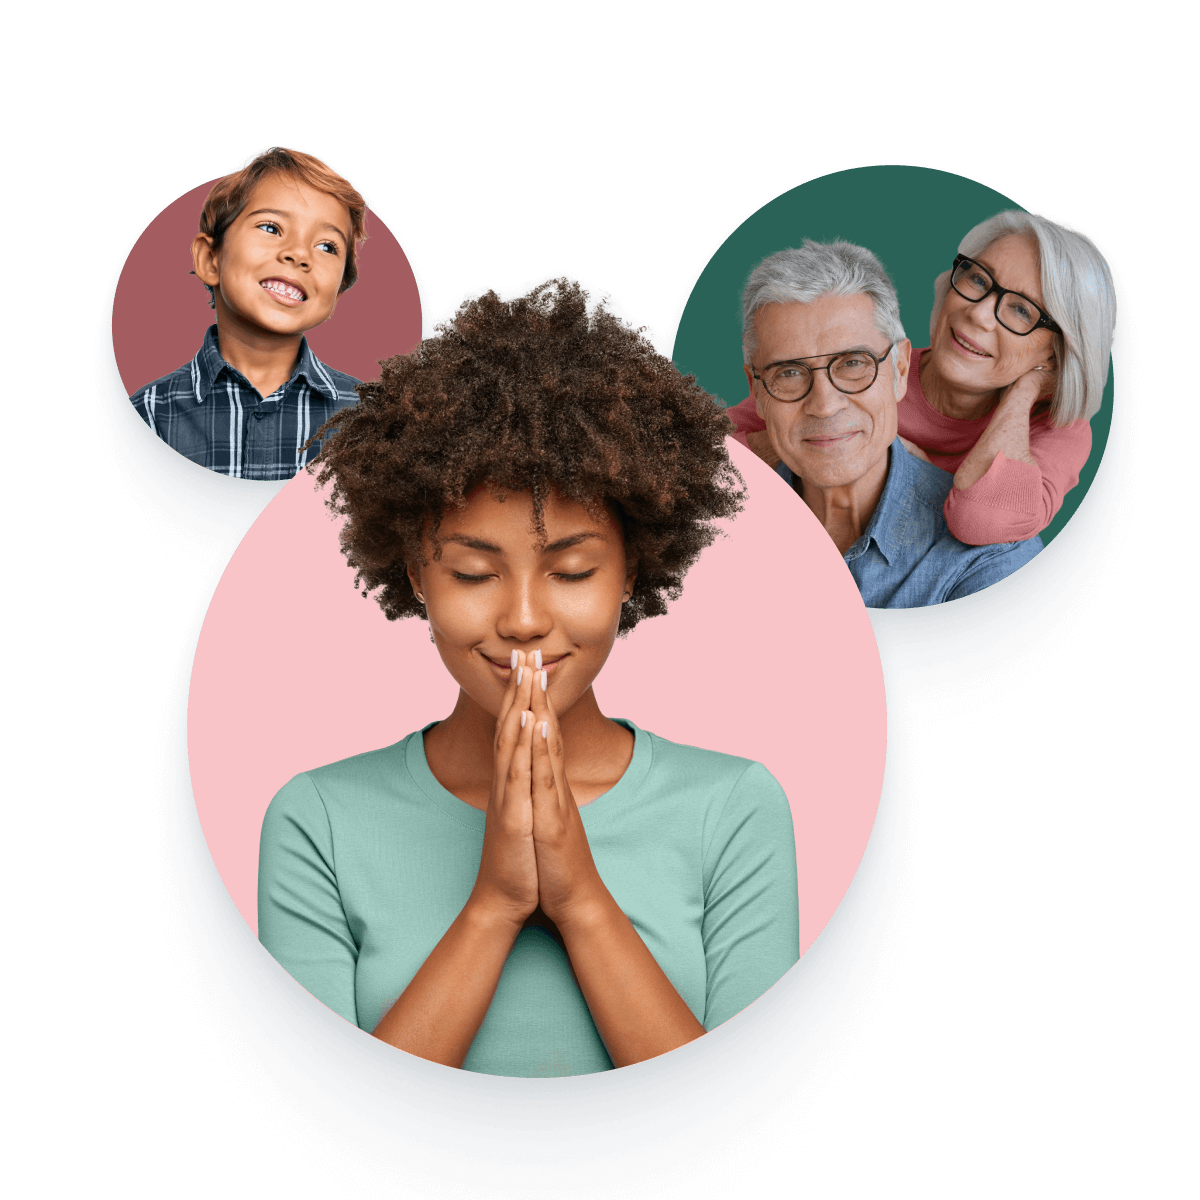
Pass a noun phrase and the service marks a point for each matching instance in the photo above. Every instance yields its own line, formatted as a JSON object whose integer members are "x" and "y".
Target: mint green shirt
{"x": 364, "y": 864}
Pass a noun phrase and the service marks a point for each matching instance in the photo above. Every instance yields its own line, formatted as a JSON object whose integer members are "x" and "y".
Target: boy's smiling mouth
{"x": 284, "y": 290}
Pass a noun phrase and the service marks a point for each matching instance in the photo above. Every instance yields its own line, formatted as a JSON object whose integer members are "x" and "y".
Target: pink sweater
{"x": 1013, "y": 500}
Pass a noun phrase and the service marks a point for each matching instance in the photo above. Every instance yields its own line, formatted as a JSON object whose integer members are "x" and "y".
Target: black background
{"x": 979, "y": 1039}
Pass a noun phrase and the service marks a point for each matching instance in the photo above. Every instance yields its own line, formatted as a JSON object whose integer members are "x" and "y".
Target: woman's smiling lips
{"x": 504, "y": 670}
{"x": 286, "y": 291}
{"x": 966, "y": 347}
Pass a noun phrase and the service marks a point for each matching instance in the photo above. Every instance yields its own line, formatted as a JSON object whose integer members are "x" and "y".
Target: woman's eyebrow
{"x": 992, "y": 272}
{"x": 564, "y": 543}
{"x": 567, "y": 542}
{"x": 473, "y": 543}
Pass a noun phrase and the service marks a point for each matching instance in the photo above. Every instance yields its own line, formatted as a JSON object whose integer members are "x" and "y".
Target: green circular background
{"x": 911, "y": 217}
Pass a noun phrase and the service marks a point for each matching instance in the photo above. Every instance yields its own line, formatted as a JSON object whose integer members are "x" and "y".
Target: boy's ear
{"x": 204, "y": 260}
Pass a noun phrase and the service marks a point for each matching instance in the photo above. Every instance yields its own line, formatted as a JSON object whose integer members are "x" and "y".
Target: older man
{"x": 827, "y": 361}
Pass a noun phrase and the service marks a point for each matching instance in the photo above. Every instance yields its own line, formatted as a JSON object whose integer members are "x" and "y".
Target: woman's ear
{"x": 630, "y": 580}
{"x": 414, "y": 578}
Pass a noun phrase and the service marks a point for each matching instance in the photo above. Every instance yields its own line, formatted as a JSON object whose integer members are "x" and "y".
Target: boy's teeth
{"x": 284, "y": 289}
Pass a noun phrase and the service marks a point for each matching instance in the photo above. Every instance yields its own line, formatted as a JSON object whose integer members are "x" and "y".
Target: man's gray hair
{"x": 1078, "y": 290}
{"x": 820, "y": 269}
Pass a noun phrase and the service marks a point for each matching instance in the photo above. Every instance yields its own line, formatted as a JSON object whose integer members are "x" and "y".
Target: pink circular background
{"x": 160, "y": 312}
{"x": 294, "y": 669}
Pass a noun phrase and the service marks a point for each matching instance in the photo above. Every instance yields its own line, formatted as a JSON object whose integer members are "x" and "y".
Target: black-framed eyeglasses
{"x": 1018, "y": 314}
{"x": 850, "y": 371}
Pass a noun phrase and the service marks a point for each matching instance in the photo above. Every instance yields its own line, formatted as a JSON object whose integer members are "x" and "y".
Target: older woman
{"x": 526, "y": 887}
{"x": 1020, "y": 336}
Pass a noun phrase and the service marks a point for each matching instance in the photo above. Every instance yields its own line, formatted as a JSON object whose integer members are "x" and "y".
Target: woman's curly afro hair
{"x": 530, "y": 395}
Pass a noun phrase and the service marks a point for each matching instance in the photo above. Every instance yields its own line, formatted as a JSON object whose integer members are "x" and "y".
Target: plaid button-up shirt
{"x": 212, "y": 414}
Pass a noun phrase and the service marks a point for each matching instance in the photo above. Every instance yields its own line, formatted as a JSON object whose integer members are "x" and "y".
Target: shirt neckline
{"x": 604, "y": 805}
{"x": 209, "y": 363}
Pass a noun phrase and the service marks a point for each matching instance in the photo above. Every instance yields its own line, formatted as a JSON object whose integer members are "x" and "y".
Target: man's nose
{"x": 524, "y": 615}
{"x": 823, "y": 398}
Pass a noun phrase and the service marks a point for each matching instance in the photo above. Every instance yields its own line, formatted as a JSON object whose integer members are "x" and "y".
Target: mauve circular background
{"x": 160, "y": 311}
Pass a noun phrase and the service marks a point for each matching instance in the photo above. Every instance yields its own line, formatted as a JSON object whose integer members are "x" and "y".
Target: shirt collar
{"x": 903, "y": 477}
{"x": 208, "y": 366}
{"x": 912, "y": 488}
{"x": 895, "y": 487}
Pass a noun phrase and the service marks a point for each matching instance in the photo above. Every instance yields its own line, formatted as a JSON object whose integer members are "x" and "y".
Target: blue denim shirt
{"x": 907, "y": 558}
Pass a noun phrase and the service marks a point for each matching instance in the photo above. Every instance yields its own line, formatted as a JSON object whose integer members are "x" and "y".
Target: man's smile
{"x": 831, "y": 440}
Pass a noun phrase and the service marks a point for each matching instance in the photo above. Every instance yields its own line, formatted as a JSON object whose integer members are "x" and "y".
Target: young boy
{"x": 276, "y": 248}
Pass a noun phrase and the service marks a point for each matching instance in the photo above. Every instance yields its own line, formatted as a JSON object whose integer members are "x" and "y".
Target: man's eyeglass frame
{"x": 812, "y": 372}
{"x": 1044, "y": 321}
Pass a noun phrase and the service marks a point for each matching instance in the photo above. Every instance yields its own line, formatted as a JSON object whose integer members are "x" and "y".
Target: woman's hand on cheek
{"x": 569, "y": 886}
{"x": 1040, "y": 382}
{"x": 507, "y": 882}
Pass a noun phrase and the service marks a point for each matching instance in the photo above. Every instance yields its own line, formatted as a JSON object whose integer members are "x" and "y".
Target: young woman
{"x": 528, "y": 887}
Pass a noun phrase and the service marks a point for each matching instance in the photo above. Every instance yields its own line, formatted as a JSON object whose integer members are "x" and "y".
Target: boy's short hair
{"x": 229, "y": 195}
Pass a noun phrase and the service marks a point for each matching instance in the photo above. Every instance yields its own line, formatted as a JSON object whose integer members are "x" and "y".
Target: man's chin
{"x": 825, "y": 470}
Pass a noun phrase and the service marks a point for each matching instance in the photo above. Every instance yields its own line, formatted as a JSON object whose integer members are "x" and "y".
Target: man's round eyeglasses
{"x": 1018, "y": 314}
{"x": 850, "y": 371}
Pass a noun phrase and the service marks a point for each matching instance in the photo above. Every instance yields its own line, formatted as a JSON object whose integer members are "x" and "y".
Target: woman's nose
{"x": 524, "y": 616}
{"x": 983, "y": 312}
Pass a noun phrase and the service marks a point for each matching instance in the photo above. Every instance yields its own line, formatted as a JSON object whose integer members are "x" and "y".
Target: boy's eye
{"x": 329, "y": 247}
{"x": 268, "y": 227}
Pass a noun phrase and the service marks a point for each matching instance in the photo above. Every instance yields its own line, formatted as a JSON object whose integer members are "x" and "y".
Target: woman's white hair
{"x": 820, "y": 269}
{"x": 1078, "y": 291}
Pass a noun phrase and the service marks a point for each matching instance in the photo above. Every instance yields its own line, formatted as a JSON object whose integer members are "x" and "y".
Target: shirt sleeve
{"x": 1013, "y": 500}
{"x": 300, "y": 916}
{"x": 992, "y": 567}
{"x": 745, "y": 420}
{"x": 751, "y": 926}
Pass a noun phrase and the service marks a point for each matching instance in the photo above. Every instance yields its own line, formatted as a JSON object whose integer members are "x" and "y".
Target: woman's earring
{"x": 431, "y": 637}
{"x": 419, "y": 597}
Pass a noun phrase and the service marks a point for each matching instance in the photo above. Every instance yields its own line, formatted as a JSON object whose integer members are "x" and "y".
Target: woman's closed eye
{"x": 571, "y": 577}
{"x": 468, "y": 578}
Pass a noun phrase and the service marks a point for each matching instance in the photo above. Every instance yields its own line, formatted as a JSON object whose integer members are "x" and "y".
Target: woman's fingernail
{"x": 523, "y": 716}
{"x": 545, "y": 726}
{"x": 513, "y": 661}
{"x": 520, "y": 672}
{"x": 543, "y": 681}
{"x": 537, "y": 659}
